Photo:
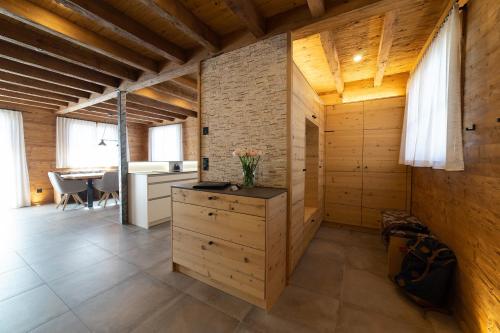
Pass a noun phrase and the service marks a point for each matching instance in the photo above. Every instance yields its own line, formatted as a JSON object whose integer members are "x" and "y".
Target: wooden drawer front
{"x": 159, "y": 209}
{"x": 220, "y": 262}
{"x": 158, "y": 190}
{"x": 171, "y": 177}
{"x": 234, "y": 227}
{"x": 232, "y": 256}
{"x": 239, "y": 204}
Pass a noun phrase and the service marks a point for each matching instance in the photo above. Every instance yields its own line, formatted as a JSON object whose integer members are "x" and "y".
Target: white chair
{"x": 109, "y": 186}
{"x": 67, "y": 188}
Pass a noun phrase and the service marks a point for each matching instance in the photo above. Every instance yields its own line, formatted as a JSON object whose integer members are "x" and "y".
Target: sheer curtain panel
{"x": 165, "y": 143}
{"x": 432, "y": 129}
{"x": 78, "y": 144}
{"x": 14, "y": 169}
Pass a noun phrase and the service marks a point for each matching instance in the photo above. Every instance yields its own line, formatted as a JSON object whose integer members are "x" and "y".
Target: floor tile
{"x": 35, "y": 254}
{"x": 65, "y": 323}
{"x": 83, "y": 284}
{"x": 145, "y": 258}
{"x": 258, "y": 320}
{"x": 30, "y": 309}
{"x": 320, "y": 274}
{"x": 9, "y": 260}
{"x": 163, "y": 272}
{"x": 17, "y": 281}
{"x": 349, "y": 237}
{"x": 355, "y": 320}
{"x": 125, "y": 305}
{"x": 372, "y": 260}
{"x": 374, "y": 293}
{"x": 309, "y": 309}
{"x": 226, "y": 303}
{"x": 188, "y": 315}
{"x": 70, "y": 262}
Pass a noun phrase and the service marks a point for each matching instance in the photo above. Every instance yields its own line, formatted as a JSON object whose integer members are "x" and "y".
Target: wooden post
{"x": 123, "y": 163}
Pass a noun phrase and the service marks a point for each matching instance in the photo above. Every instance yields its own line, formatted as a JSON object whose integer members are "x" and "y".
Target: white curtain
{"x": 78, "y": 144}
{"x": 432, "y": 129}
{"x": 165, "y": 143}
{"x": 15, "y": 191}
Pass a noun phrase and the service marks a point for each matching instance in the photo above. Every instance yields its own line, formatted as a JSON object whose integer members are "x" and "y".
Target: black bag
{"x": 426, "y": 271}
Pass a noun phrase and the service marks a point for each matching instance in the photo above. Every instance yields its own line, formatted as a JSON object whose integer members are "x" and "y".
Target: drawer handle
{"x": 210, "y": 242}
{"x": 210, "y": 214}
{"x": 314, "y": 116}
{"x": 246, "y": 259}
{"x": 212, "y": 198}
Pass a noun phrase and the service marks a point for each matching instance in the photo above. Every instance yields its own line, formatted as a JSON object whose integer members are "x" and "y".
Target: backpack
{"x": 426, "y": 271}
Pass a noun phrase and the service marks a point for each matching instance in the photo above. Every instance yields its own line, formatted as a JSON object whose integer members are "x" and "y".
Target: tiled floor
{"x": 80, "y": 271}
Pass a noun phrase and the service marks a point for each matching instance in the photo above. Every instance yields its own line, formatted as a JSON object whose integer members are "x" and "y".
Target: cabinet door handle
{"x": 246, "y": 259}
{"x": 366, "y": 166}
{"x": 314, "y": 116}
{"x": 212, "y": 198}
{"x": 304, "y": 170}
{"x": 210, "y": 242}
{"x": 210, "y": 214}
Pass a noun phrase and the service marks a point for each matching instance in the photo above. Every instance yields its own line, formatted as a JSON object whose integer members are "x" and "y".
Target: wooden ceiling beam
{"x": 47, "y": 76}
{"x": 177, "y": 91}
{"x": 40, "y": 60}
{"x": 109, "y": 17}
{"x": 187, "y": 83}
{"x": 20, "y": 107}
{"x": 167, "y": 98}
{"x": 131, "y": 114}
{"x": 248, "y": 14}
{"x": 316, "y": 7}
{"x": 37, "y": 92}
{"x": 328, "y": 43}
{"x": 42, "y": 19}
{"x": 174, "y": 12}
{"x": 91, "y": 115}
{"x": 21, "y": 96}
{"x": 134, "y": 111}
{"x": 153, "y": 110}
{"x": 6, "y": 99}
{"x": 34, "y": 83}
{"x": 95, "y": 110}
{"x": 147, "y": 80}
{"x": 148, "y": 101}
{"x": 384, "y": 48}
{"x": 20, "y": 34}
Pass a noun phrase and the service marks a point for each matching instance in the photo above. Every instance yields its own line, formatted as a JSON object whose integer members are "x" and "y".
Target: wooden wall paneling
{"x": 462, "y": 208}
{"x": 344, "y": 117}
{"x": 344, "y": 150}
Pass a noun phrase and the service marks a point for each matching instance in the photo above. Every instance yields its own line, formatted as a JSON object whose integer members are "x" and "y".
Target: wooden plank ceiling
{"x": 70, "y": 57}
{"x": 389, "y": 43}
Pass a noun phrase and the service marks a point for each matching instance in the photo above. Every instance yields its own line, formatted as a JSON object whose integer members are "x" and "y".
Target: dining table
{"x": 89, "y": 178}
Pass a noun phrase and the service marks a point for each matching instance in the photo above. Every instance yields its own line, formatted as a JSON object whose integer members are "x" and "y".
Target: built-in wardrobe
{"x": 362, "y": 175}
{"x": 306, "y": 189}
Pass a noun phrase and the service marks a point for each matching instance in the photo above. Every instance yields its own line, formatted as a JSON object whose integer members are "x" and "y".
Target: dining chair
{"x": 67, "y": 188}
{"x": 108, "y": 185}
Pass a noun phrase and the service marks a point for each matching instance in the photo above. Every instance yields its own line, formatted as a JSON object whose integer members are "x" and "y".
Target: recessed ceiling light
{"x": 357, "y": 57}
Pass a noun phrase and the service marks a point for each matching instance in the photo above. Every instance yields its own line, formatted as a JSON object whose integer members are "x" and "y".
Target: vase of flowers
{"x": 249, "y": 159}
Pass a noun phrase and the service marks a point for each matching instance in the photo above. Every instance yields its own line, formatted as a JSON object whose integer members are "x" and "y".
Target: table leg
{"x": 90, "y": 194}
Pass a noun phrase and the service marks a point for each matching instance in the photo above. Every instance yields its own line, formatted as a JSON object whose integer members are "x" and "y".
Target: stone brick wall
{"x": 244, "y": 103}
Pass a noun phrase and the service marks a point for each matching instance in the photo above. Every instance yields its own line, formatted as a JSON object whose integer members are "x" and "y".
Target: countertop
{"x": 254, "y": 192}
{"x": 160, "y": 172}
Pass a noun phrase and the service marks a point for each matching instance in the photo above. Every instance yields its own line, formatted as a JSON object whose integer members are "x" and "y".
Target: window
{"x": 432, "y": 129}
{"x": 14, "y": 169}
{"x": 165, "y": 143}
{"x": 83, "y": 143}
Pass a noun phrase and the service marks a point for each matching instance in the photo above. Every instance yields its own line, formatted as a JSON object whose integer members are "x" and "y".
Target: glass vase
{"x": 248, "y": 178}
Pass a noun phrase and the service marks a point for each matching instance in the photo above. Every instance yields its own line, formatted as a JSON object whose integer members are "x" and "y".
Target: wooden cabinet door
{"x": 343, "y": 194}
{"x": 381, "y": 151}
{"x": 344, "y": 150}
{"x": 384, "y": 190}
{"x": 344, "y": 117}
{"x": 384, "y": 113}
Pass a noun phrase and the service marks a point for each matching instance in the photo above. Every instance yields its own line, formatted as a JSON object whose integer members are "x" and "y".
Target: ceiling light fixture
{"x": 357, "y": 57}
